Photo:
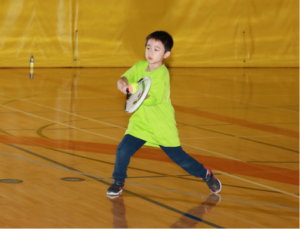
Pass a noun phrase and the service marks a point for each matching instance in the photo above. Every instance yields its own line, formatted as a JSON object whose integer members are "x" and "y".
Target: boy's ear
{"x": 167, "y": 54}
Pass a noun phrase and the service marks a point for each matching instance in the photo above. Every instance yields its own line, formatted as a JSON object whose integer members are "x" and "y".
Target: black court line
{"x": 168, "y": 176}
{"x": 240, "y": 137}
{"x": 273, "y": 161}
{"x": 127, "y": 191}
{"x": 224, "y": 108}
{"x": 96, "y": 128}
{"x": 247, "y": 108}
{"x": 129, "y": 167}
{"x": 228, "y": 185}
{"x": 40, "y": 133}
{"x": 184, "y": 177}
{"x": 261, "y": 123}
{"x": 40, "y": 130}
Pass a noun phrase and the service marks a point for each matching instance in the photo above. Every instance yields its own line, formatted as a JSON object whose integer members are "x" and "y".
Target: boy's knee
{"x": 124, "y": 151}
{"x": 120, "y": 150}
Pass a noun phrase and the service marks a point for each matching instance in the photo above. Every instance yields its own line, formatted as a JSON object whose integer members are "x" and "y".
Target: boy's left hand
{"x": 124, "y": 89}
{"x": 122, "y": 86}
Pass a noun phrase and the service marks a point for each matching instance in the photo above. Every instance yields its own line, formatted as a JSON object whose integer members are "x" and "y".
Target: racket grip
{"x": 127, "y": 97}
{"x": 128, "y": 94}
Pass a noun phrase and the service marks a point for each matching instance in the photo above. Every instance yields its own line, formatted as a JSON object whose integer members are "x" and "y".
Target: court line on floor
{"x": 65, "y": 112}
{"x": 90, "y": 119}
{"x": 236, "y": 121}
{"x": 129, "y": 167}
{"x": 262, "y": 136}
{"x": 221, "y": 97}
{"x": 252, "y": 182}
{"x": 97, "y": 178}
{"x": 67, "y": 96}
{"x": 67, "y": 168}
{"x": 60, "y": 123}
{"x": 85, "y": 118}
{"x": 247, "y": 139}
{"x": 212, "y": 165}
{"x": 182, "y": 144}
{"x": 125, "y": 128}
{"x": 273, "y": 161}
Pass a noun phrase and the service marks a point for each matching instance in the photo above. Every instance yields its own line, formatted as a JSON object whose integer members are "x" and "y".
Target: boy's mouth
{"x": 150, "y": 58}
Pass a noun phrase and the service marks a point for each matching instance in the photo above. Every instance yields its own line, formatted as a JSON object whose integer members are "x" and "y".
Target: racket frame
{"x": 136, "y": 106}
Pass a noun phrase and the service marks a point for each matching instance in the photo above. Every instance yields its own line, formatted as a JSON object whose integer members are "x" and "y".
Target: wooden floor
{"x": 67, "y": 123}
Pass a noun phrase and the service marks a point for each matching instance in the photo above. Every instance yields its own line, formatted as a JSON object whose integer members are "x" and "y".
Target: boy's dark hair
{"x": 162, "y": 36}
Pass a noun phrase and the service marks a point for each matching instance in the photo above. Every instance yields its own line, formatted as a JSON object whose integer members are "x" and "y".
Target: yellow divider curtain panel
{"x": 102, "y": 33}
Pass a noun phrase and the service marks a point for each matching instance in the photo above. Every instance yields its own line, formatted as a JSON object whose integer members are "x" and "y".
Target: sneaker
{"x": 116, "y": 188}
{"x": 213, "y": 183}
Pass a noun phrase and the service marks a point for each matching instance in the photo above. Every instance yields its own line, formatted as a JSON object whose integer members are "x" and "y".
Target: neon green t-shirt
{"x": 154, "y": 121}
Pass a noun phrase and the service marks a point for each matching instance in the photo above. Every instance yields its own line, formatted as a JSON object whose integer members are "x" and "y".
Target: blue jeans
{"x": 129, "y": 145}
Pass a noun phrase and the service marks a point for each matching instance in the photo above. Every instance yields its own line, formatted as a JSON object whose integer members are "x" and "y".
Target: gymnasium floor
{"x": 66, "y": 123}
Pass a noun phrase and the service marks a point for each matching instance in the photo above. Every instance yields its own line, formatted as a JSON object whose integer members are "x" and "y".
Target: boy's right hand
{"x": 122, "y": 86}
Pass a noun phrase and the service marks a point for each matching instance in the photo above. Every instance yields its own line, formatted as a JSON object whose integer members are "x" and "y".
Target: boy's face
{"x": 155, "y": 52}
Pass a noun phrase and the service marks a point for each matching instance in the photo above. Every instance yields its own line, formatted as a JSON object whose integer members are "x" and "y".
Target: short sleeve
{"x": 136, "y": 72}
{"x": 130, "y": 74}
{"x": 158, "y": 85}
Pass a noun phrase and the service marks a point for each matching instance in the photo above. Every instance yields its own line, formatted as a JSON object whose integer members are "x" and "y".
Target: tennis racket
{"x": 134, "y": 100}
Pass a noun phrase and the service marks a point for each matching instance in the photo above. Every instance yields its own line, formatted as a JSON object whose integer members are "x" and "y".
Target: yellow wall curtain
{"x": 101, "y": 33}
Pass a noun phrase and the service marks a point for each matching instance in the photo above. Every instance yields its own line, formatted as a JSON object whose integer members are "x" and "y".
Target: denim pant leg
{"x": 185, "y": 161}
{"x": 127, "y": 148}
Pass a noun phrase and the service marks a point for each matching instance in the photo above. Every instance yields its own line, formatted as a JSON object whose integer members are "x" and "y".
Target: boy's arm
{"x": 151, "y": 100}
{"x": 156, "y": 93}
{"x": 127, "y": 78}
{"x": 122, "y": 84}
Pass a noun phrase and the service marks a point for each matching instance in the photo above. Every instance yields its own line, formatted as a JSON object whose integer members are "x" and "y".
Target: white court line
{"x": 90, "y": 119}
{"x": 119, "y": 140}
{"x": 221, "y": 97}
{"x": 60, "y": 97}
{"x": 141, "y": 185}
{"x": 60, "y": 123}
{"x": 252, "y": 182}
{"x": 222, "y": 155}
{"x": 265, "y": 186}
{"x": 262, "y": 95}
{"x": 262, "y": 136}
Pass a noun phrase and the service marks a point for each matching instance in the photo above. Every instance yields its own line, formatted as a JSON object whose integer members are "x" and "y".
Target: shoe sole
{"x": 114, "y": 193}
{"x": 112, "y": 197}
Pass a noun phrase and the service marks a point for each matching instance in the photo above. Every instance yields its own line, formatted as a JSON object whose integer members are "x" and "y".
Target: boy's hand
{"x": 122, "y": 85}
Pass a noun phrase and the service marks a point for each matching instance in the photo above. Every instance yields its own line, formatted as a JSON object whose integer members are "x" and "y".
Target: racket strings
{"x": 133, "y": 99}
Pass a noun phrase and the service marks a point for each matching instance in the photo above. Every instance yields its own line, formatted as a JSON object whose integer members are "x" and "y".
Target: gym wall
{"x": 111, "y": 33}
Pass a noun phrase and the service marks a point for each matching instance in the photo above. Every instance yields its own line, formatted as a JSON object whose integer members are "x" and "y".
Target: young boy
{"x": 153, "y": 123}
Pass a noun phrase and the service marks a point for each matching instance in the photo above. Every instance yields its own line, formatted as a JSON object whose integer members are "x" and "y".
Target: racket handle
{"x": 127, "y": 97}
{"x": 128, "y": 94}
